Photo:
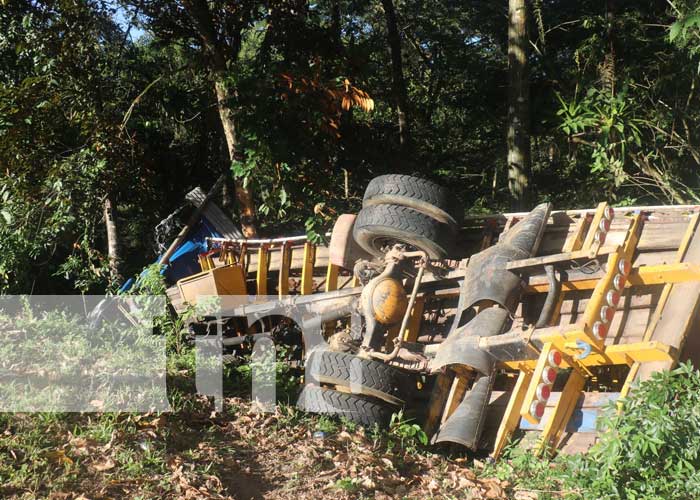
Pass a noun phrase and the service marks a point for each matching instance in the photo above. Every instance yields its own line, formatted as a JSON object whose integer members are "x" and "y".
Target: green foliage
{"x": 87, "y": 111}
{"x": 685, "y": 31}
{"x": 409, "y": 434}
{"x": 649, "y": 450}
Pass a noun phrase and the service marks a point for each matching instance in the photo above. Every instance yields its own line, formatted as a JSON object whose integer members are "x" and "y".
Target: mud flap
{"x": 465, "y": 424}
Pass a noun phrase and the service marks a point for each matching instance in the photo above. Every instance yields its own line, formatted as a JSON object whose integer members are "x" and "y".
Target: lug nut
{"x": 624, "y": 266}
{"x": 609, "y": 213}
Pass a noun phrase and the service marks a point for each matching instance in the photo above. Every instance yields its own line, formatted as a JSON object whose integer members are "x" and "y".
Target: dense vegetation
{"x": 113, "y": 110}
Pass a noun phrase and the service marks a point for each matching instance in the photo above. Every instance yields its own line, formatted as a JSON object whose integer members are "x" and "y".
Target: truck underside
{"x": 478, "y": 328}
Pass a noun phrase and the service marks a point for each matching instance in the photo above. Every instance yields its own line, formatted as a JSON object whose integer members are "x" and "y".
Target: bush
{"x": 649, "y": 450}
{"x": 652, "y": 448}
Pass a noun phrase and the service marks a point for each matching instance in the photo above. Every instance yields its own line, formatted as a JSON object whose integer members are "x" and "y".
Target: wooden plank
{"x": 651, "y": 327}
{"x": 678, "y": 313}
{"x": 588, "y": 243}
{"x": 438, "y": 398}
{"x": 456, "y": 395}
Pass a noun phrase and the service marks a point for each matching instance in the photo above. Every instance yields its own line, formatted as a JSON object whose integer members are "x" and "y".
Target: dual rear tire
{"x": 407, "y": 210}
{"x": 364, "y": 391}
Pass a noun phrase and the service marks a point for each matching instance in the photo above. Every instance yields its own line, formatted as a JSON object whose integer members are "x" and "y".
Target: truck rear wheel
{"x": 364, "y": 376}
{"x": 378, "y": 227}
{"x": 419, "y": 194}
{"x": 362, "y": 410}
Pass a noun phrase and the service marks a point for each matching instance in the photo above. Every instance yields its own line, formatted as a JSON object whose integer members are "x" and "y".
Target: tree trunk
{"x": 518, "y": 106}
{"x": 112, "y": 242}
{"x": 608, "y": 71}
{"x": 244, "y": 196}
{"x": 199, "y": 11}
{"x": 398, "y": 82}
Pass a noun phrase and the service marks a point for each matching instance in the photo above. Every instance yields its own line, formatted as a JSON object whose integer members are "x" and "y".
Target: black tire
{"x": 419, "y": 194}
{"x": 359, "y": 409}
{"x": 379, "y": 226}
{"x": 364, "y": 376}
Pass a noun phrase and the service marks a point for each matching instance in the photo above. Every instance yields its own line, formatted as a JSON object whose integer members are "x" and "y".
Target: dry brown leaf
{"x": 104, "y": 465}
{"x": 59, "y": 457}
{"x": 494, "y": 490}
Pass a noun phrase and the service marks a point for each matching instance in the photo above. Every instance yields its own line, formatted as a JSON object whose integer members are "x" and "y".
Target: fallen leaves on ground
{"x": 243, "y": 454}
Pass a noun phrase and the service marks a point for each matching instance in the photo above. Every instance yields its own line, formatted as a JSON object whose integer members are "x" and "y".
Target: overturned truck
{"x": 479, "y": 328}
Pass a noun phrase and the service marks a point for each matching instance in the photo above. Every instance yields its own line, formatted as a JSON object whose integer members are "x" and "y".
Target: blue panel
{"x": 184, "y": 262}
{"x": 582, "y": 419}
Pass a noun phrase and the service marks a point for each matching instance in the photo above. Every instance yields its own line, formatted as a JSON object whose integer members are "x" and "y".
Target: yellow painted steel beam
{"x": 285, "y": 264}
{"x": 682, "y": 249}
{"x": 511, "y": 417}
{"x": 632, "y": 238}
{"x": 307, "y": 268}
{"x": 597, "y": 300}
{"x": 646, "y": 275}
{"x": 618, "y": 354}
{"x": 332, "y": 277}
{"x": 263, "y": 266}
{"x": 573, "y": 243}
{"x": 575, "y": 240}
{"x": 589, "y": 242}
{"x": 563, "y": 409}
{"x": 531, "y": 393}
{"x": 414, "y": 320}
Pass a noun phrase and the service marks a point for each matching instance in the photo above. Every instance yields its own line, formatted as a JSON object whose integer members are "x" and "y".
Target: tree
{"x": 398, "y": 83}
{"x": 518, "y": 105}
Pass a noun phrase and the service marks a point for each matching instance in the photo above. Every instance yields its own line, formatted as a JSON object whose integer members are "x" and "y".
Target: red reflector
{"x": 606, "y": 314}
{"x": 549, "y": 375}
{"x": 600, "y": 331}
{"x": 613, "y": 298}
{"x": 619, "y": 282}
{"x": 543, "y": 392}
{"x": 600, "y": 236}
{"x": 554, "y": 358}
{"x": 624, "y": 266}
{"x": 604, "y": 225}
{"x": 537, "y": 409}
{"x": 609, "y": 213}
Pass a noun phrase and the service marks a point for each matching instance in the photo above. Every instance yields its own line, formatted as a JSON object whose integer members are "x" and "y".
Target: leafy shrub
{"x": 649, "y": 450}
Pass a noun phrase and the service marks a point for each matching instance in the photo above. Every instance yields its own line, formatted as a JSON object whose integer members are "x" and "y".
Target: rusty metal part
{"x": 487, "y": 277}
{"x": 389, "y": 301}
{"x": 466, "y": 423}
{"x": 550, "y": 303}
{"x": 343, "y": 251}
{"x": 398, "y": 341}
{"x": 410, "y": 360}
{"x": 462, "y": 347}
{"x": 487, "y": 282}
{"x": 374, "y": 330}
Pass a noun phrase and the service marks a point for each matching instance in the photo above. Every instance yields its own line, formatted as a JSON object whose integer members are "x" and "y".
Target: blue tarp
{"x": 184, "y": 262}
